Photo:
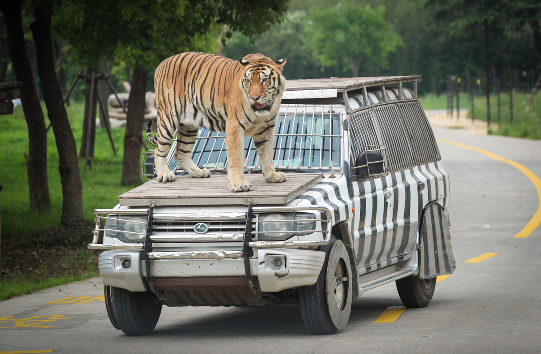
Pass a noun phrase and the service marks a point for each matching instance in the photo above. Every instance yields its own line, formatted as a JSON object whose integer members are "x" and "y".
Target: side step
{"x": 382, "y": 280}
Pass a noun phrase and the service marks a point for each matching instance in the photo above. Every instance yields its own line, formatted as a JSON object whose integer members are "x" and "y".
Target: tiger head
{"x": 263, "y": 84}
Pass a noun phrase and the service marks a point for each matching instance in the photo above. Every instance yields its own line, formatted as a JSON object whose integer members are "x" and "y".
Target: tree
{"x": 286, "y": 39}
{"x": 143, "y": 33}
{"x": 37, "y": 135}
{"x": 351, "y": 35}
{"x": 470, "y": 16}
{"x": 72, "y": 188}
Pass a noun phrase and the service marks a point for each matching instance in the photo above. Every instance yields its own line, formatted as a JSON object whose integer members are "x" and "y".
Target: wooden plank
{"x": 186, "y": 190}
{"x": 9, "y": 85}
{"x": 10, "y": 93}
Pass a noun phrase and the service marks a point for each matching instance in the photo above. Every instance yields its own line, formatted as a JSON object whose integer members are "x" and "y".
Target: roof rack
{"x": 331, "y": 88}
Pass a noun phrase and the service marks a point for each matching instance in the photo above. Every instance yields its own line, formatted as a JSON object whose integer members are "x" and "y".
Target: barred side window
{"x": 424, "y": 146}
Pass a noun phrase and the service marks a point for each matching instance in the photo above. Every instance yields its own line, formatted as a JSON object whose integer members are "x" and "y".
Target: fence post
{"x": 479, "y": 93}
{"x": 499, "y": 103}
{"x": 458, "y": 97}
{"x": 511, "y": 101}
{"x": 449, "y": 102}
{"x": 471, "y": 96}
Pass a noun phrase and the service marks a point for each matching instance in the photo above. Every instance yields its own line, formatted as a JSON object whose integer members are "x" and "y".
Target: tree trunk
{"x": 72, "y": 188}
{"x": 90, "y": 108}
{"x": 37, "y": 134}
{"x": 0, "y": 233}
{"x": 131, "y": 173}
{"x": 4, "y": 68}
{"x": 103, "y": 92}
{"x": 536, "y": 36}
{"x": 487, "y": 71}
{"x": 59, "y": 67}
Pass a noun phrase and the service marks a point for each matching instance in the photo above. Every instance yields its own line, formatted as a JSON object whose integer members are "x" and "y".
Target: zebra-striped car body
{"x": 376, "y": 206}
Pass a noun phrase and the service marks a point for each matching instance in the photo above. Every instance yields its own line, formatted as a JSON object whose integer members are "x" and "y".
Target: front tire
{"x": 107, "y": 292}
{"x": 326, "y": 305}
{"x": 136, "y": 314}
{"x": 415, "y": 292}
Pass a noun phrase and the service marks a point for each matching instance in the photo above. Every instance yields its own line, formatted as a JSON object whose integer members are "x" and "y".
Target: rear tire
{"x": 326, "y": 305}
{"x": 136, "y": 313}
{"x": 415, "y": 292}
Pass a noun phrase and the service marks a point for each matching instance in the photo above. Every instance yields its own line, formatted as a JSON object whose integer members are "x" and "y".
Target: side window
{"x": 390, "y": 138}
{"x": 369, "y": 158}
{"x": 394, "y": 137}
{"x": 420, "y": 133}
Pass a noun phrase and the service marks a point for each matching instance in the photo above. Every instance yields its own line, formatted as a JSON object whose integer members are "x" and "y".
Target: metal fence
{"x": 465, "y": 89}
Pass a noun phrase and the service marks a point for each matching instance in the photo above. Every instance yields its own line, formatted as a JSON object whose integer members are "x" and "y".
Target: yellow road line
{"x": 390, "y": 315}
{"x": 27, "y": 351}
{"x": 481, "y": 258}
{"x": 536, "y": 219}
{"x": 442, "y": 277}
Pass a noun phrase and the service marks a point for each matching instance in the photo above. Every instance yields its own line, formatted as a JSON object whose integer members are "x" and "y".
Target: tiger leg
{"x": 185, "y": 139}
{"x": 164, "y": 136}
{"x": 264, "y": 144}
{"x": 234, "y": 139}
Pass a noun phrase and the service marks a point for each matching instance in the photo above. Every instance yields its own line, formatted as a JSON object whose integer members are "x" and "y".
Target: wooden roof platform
{"x": 186, "y": 190}
{"x": 347, "y": 84}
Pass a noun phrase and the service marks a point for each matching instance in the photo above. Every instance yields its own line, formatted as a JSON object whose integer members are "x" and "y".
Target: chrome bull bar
{"x": 324, "y": 221}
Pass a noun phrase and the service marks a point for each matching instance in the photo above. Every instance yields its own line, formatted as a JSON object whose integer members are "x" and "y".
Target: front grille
{"x": 224, "y": 227}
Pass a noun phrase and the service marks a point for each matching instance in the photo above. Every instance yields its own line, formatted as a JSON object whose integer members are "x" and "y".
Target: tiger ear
{"x": 244, "y": 62}
{"x": 280, "y": 63}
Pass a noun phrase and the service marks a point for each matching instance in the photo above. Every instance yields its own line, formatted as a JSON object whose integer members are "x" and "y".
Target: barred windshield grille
{"x": 306, "y": 137}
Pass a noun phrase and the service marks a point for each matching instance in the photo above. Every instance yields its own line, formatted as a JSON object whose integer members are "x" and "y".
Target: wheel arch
{"x": 341, "y": 232}
{"x": 433, "y": 233}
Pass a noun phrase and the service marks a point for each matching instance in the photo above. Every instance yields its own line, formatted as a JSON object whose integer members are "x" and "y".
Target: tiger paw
{"x": 240, "y": 186}
{"x": 199, "y": 173}
{"x": 276, "y": 177}
{"x": 168, "y": 176}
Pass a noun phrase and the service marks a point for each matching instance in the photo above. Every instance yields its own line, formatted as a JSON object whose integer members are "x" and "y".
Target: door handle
{"x": 388, "y": 193}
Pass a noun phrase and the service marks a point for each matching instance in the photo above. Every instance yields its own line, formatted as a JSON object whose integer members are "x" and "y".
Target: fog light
{"x": 275, "y": 262}
{"x": 126, "y": 263}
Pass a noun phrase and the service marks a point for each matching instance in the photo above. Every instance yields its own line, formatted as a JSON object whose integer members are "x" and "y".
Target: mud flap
{"x": 435, "y": 251}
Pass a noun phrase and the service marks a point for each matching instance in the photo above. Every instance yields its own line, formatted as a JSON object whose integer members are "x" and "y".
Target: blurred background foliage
{"x": 412, "y": 40}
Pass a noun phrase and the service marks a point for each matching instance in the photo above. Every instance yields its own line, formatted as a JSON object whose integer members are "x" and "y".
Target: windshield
{"x": 307, "y": 137}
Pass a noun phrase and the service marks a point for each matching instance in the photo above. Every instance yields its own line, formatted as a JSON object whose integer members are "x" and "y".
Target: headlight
{"x": 129, "y": 229}
{"x": 280, "y": 227}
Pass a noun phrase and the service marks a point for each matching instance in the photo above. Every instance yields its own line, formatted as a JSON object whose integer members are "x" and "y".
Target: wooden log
{"x": 10, "y": 93}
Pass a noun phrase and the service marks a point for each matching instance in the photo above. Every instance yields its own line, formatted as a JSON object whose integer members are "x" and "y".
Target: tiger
{"x": 239, "y": 97}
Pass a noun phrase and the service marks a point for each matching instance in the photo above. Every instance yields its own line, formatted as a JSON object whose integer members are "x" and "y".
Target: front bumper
{"x": 275, "y": 269}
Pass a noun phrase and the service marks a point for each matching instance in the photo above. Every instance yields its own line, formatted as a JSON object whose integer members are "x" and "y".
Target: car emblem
{"x": 201, "y": 228}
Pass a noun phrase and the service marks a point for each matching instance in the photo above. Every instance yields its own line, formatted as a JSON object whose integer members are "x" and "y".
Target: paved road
{"x": 493, "y": 306}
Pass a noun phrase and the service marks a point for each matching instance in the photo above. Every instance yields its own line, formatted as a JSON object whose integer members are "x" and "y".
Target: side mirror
{"x": 368, "y": 164}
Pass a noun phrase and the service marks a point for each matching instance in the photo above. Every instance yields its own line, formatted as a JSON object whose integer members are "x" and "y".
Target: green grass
{"x": 20, "y": 285}
{"x": 431, "y": 101}
{"x": 101, "y": 183}
{"x": 525, "y": 125}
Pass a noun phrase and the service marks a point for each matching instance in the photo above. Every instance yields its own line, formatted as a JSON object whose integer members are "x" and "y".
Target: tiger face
{"x": 262, "y": 84}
